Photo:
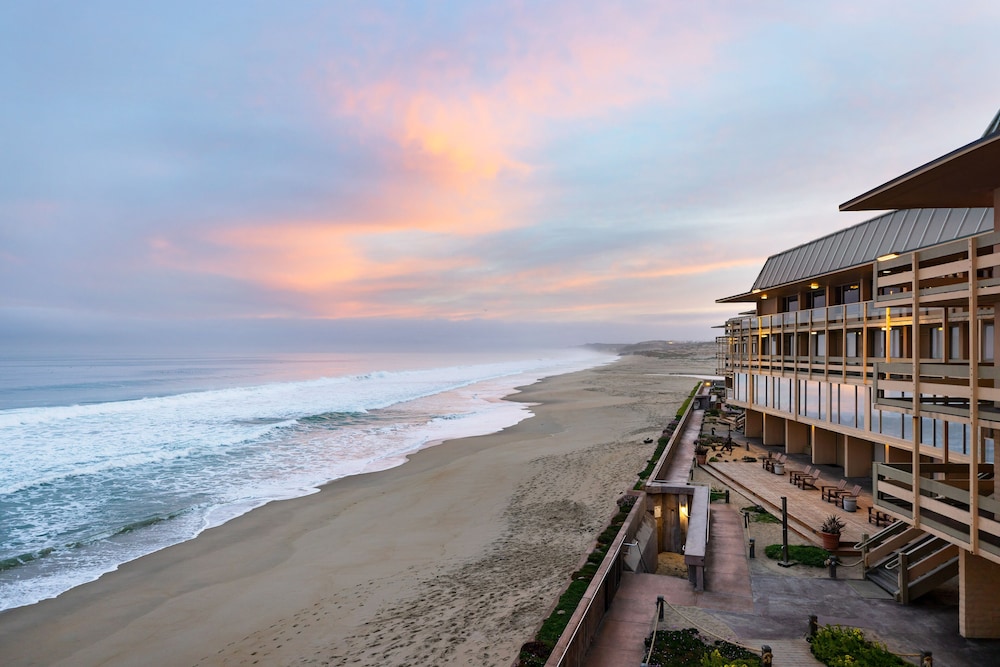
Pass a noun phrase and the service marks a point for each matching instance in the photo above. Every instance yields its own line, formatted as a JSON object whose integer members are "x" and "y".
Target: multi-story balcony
{"x": 887, "y": 348}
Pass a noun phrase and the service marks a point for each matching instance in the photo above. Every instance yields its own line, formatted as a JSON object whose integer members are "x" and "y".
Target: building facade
{"x": 873, "y": 348}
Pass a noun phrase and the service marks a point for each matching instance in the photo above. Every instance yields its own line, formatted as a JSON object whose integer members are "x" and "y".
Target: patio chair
{"x": 853, "y": 493}
{"x": 830, "y": 493}
{"x": 808, "y": 481}
{"x": 794, "y": 475}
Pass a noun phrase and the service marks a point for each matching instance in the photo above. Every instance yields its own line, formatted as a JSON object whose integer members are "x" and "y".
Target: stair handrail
{"x": 912, "y": 548}
{"x": 879, "y": 537}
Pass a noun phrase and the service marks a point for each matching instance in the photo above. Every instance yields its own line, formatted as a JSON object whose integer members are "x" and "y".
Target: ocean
{"x": 104, "y": 460}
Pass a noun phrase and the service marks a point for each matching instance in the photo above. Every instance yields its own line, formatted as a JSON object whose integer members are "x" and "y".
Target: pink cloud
{"x": 565, "y": 64}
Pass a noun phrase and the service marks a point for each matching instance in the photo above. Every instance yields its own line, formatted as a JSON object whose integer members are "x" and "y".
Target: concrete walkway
{"x": 756, "y": 606}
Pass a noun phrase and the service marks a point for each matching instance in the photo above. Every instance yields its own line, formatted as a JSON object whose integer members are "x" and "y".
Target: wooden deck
{"x": 806, "y": 508}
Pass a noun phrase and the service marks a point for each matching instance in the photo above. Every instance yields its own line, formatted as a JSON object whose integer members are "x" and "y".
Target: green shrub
{"x": 554, "y": 625}
{"x": 686, "y": 648}
{"x": 716, "y": 659}
{"x": 839, "y": 646}
{"x": 687, "y": 401}
{"x": 609, "y": 534}
{"x": 596, "y": 556}
{"x": 800, "y": 553}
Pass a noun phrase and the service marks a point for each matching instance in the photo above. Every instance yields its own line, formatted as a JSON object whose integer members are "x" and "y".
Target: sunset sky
{"x": 324, "y": 174}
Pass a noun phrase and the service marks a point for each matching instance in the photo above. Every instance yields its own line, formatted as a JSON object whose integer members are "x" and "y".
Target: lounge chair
{"x": 808, "y": 481}
{"x": 853, "y": 493}
{"x": 879, "y": 518}
{"x": 830, "y": 493}
{"x": 794, "y": 475}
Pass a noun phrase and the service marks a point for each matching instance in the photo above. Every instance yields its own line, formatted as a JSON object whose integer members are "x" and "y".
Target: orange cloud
{"x": 462, "y": 127}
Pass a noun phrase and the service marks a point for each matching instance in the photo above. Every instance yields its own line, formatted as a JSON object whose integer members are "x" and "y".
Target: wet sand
{"x": 453, "y": 558}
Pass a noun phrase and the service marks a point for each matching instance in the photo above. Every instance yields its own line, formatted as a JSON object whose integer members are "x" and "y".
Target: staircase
{"x": 908, "y": 562}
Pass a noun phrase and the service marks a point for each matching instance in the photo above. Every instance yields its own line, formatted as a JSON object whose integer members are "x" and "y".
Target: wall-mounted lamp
{"x": 886, "y": 258}
{"x": 684, "y": 506}
{"x": 763, "y": 296}
{"x": 813, "y": 285}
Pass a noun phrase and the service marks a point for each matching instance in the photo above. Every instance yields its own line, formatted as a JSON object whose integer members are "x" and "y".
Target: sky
{"x": 327, "y": 175}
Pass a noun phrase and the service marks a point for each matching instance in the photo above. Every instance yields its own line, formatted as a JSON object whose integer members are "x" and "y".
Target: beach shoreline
{"x": 451, "y": 558}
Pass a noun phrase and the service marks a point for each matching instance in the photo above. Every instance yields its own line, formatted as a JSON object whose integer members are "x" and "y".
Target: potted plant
{"x": 700, "y": 454}
{"x": 830, "y": 532}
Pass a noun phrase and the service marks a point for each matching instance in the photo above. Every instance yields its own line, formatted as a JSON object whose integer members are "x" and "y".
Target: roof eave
{"x": 965, "y": 177}
{"x": 750, "y": 297}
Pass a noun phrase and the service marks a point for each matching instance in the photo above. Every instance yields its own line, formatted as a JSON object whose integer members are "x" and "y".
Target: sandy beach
{"x": 452, "y": 558}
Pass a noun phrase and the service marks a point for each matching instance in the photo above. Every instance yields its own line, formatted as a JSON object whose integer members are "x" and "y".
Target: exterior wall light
{"x": 886, "y": 258}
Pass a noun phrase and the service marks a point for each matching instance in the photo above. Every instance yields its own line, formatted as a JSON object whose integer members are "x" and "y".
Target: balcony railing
{"x": 942, "y": 273}
{"x": 944, "y": 502}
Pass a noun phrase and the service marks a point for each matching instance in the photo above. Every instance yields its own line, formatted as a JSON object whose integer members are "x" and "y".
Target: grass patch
{"x": 759, "y": 514}
{"x": 801, "y": 553}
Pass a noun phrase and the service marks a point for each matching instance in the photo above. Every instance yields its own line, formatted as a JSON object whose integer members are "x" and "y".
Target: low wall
{"x": 572, "y": 647}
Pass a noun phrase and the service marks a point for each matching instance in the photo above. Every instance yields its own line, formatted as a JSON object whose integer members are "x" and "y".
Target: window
{"x": 877, "y": 342}
{"x": 935, "y": 342}
{"x": 761, "y": 384}
{"x": 784, "y": 394}
{"x": 845, "y": 404}
{"x": 931, "y": 431}
{"x": 987, "y": 342}
{"x": 955, "y": 342}
{"x": 849, "y": 293}
{"x": 791, "y": 303}
{"x": 819, "y": 344}
{"x": 810, "y": 399}
{"x": 817, "y": 299}
{"x": 852, "y": 344}
{"x": 896, "y": 343}
{"x": 958, "y": 437}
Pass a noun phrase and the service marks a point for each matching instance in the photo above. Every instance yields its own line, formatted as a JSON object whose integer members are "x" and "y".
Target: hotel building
{"x": 873, "y": 348}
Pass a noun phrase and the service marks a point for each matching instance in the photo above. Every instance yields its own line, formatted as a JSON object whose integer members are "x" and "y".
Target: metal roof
{"x": 894, "y": 232}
